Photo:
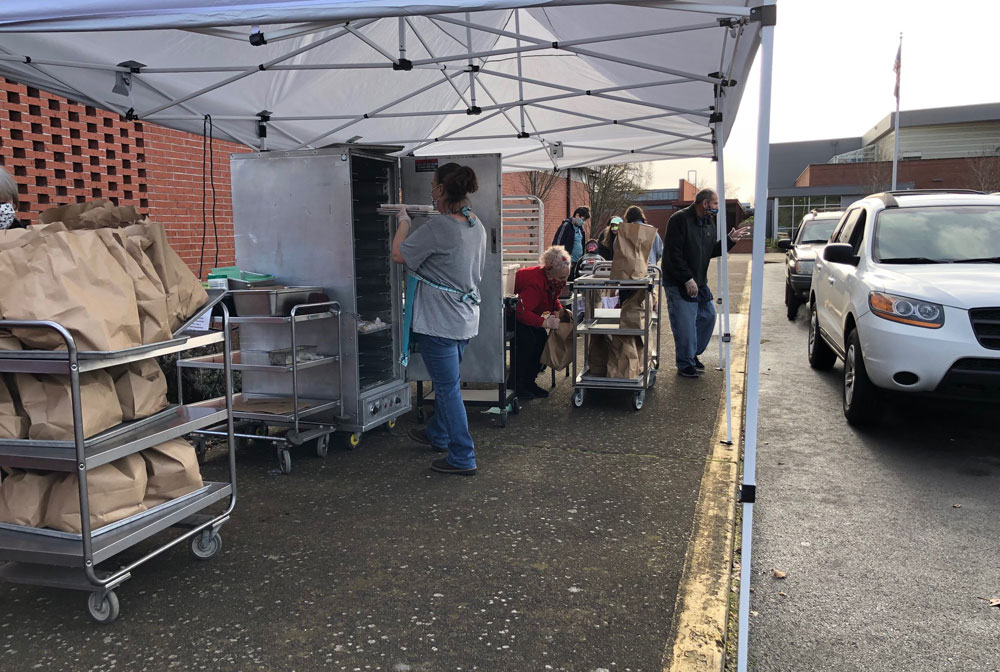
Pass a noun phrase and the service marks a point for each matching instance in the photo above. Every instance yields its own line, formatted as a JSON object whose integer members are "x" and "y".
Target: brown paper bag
{"x": 8, "y": 341}
{"x": 558, "y": 352}
{"x": 151, "y": 300}
{"x": 13, "y": 419}
{"x": 632, "y": 247}
{"x": 598, "y": 356}
{"x": 24, "y": 496}
{"x": 141, "y": 388}
{"x": 70, "y": 278}
{"x": 70, "y": 214}
{"x": 633, "y": 312}
{"x": 47, "y": 402}
{"x": 185, "y": 295}
{"x": 625, "y": 356}
{"x": 115, "y": 491}
{"x": 172, "y": 471}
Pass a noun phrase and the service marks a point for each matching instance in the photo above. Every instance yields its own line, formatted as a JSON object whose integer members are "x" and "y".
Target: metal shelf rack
{"x": 255, "y": 425}
{"x": 44, "y": 557}
{"x": 606, "y": 322}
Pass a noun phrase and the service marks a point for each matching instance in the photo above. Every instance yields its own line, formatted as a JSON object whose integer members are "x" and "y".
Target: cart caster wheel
{"x": 285, "y": 461}
{"x": 503, "y": 419}
{"x": 323, "y": 446}
{"x": 578, "y": 398}
{"x": 652, "y": 379}
{"x": 391, "y": 424}
{"x": 421, "y": 416}
{"x": 638, "y": 399}
{"x": 515, "y": 406}
{"x": 354, "y": 440}
{"x": 103, "y": 610}
{"x": 199, "y": 449}
{"x": 206, "y": 545}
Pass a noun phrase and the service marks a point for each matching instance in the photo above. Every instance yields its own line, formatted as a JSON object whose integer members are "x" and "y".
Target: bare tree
{"x": 539, "y": 183}
{"x": 875, "y": 176}
{"x": 985, "y": 170}
{"x": 611, "y": 190}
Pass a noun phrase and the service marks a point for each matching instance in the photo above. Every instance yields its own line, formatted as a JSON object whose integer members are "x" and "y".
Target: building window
{"x": 792, "y": 210}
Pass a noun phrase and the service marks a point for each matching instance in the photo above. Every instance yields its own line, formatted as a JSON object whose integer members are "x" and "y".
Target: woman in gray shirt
{"x": 445, "y": 258}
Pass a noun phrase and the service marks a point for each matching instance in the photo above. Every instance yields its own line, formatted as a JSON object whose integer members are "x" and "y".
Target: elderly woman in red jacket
{"x": 539, "y": 288}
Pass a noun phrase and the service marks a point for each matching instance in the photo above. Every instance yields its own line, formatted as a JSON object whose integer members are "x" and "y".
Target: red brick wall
{"x": 514, "y": 184}
{"x": 924, "y": 174}
{"x": 60, "y": 151}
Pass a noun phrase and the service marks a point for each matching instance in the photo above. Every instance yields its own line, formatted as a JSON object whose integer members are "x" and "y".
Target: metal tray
{"x": 271, "y": 301}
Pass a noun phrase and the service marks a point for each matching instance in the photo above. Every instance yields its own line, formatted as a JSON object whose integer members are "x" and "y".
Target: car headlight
{"x": 906, "y": 310}
{"x": 804, "y": 267}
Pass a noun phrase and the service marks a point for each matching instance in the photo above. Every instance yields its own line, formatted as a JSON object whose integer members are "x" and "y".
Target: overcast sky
{"x": 833, "y": 73}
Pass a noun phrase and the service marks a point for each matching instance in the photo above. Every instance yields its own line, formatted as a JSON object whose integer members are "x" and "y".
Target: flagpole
{"x": 895, "y": 148}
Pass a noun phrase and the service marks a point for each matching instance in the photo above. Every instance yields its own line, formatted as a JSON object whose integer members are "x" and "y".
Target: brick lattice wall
{"x": 515, "y": 184}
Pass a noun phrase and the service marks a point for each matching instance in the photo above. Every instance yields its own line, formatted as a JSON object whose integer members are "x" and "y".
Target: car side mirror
{"x": 785, "y": 244}
{"x": 840, "y": 253}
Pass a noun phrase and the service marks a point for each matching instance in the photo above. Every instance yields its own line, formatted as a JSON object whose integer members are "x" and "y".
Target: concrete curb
{"x": 698, "y": 632}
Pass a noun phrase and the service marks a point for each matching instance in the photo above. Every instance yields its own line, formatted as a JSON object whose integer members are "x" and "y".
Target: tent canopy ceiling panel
{"x": 557, "y": 83}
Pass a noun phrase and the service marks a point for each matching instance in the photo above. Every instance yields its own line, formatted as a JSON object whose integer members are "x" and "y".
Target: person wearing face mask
{"x": 606, "y": 243}
{"x": 8, "y": 202}
{"x": 691, "y": 243}
{"x": 538, "y": 288}
{"x": 572, "y": 234}
{"x": 446, "y": 259}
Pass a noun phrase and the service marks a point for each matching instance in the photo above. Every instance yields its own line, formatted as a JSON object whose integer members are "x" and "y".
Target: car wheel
{"x": 792, "y": 302}
{"x": 821, "y": 357}
{"x": 862, "y": 403}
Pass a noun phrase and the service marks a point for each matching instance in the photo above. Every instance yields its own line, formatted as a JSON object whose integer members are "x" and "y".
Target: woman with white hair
{"x": 539, "y": 288}
{"x": 8, "y": 201}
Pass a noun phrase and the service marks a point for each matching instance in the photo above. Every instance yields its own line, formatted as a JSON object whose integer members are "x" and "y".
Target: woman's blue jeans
{"x": 450, "y": 424}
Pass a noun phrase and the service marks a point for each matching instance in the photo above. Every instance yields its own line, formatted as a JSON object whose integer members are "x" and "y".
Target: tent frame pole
{"x": 720, "y": 181}
{"x": 370, "y": 42}
{"x": 748, "y": 489}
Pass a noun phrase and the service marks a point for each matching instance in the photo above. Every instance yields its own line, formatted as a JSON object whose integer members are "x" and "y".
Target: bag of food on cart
{"x": 597, "y": 359}
{"x": 151, "y": 299}
{"x": 185, "y": 295}
{"x": 14, "y": 421}
{"x": 69, "y": 277}
{"x": 70, "y": 214}
{"x": 47, "y": 401}
{"x": 632, "y": 247}
{"x": 172, "y": 470}
{"x": 24, "y": 496}
{"x": 114, "y": 490}
{"x": 141, "y": 388}
{"x": 558, "y": 351}
{"x": 633, "y": 314}
{"x": 8, "y": 341}
{"x": 625, "y": 355}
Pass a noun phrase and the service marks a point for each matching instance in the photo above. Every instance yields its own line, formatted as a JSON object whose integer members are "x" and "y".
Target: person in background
{"x": 691, "y": 244}
{"x": 606, "y": 243}
{"x": 590, "y": 257}
{"x": 539, "y": 288}
{"x": 8, "y": 202}
{"x": 446, "y": 258}
{"x": 572, "y": 233}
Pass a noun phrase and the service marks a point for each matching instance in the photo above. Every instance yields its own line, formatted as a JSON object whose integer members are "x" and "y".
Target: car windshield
{"x": 817, "y": 231}
{"x": 949, "y": 234}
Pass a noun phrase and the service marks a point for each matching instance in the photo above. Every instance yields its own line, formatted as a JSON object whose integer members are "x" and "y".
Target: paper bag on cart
{"x": 558, "y": 351}
{"x": 8, "y": 341}
{"x": 24, "y": 496}
{"x": 141, "y": 388}
{"x": 47, "y": 401}
{"x": 172, "y": 470}
{"x": 69, "y": 277}
{"x": 597, "y": 359}
{"x": 625, "y": 356}
{"x": 632, "y": 247}
{"x": 13, "y": 420}
{"x": 633, "y": 312}
{"x": 114, "y": 490}
{"x": 151, "y": 299}
{"x": 70, "y": 214}
{"x": 185, "y": 295}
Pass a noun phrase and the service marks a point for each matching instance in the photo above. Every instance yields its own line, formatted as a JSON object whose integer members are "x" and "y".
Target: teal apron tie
{"x": 413, "y": 279}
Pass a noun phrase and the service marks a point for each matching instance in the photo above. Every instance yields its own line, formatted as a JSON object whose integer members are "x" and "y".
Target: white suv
{"x": 908, "y": 295}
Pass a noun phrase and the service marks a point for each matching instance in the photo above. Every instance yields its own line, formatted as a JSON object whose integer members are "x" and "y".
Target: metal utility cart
{"x": 45, "y": 557}
{"x": 605, "y": 322}
{"x": 281, "y": 407}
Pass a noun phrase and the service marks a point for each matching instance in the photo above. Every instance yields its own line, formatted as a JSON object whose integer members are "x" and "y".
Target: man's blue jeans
{"x": 449, "y": 427}
{"x": 692, "y": 323}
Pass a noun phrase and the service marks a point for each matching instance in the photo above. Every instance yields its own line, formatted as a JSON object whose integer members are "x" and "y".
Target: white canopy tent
{"x": 549, "y": 84}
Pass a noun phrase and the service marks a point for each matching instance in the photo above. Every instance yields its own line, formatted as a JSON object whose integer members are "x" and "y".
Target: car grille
{"x": 986, "y": 324}
{"x": 972, "y": 378}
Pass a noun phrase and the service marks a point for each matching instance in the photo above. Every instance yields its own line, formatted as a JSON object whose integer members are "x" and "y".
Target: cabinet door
{"x": 484, "y": 357}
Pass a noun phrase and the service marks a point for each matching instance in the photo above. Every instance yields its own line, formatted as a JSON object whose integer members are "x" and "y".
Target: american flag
{"x": 896, "y": 68}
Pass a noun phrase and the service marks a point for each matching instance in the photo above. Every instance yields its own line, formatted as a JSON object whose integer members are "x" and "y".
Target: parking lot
{"x": 888, "y": 536}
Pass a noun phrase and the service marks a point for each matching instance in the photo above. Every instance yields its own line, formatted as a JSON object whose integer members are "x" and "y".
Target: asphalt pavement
{"x": 888, "y": 536}
{"x": 563, "y": 553}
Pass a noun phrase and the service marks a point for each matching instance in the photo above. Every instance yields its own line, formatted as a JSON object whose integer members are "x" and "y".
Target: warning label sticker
{"x": 426, "y": 165}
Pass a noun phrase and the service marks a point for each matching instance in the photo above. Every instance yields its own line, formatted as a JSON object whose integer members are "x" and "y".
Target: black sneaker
{"x": 524, "y": 395}
{"x": 688, "y": 372}
{"x": 420, "y": 436}
{"x": 443, "y": 466}
{"x": 698, "y": 365}
{"x": 539, "y": 392}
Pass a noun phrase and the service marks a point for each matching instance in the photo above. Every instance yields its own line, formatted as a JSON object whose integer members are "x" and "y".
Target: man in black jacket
{"x": 691, "y": 243}
{"x": 573, "y": 234}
